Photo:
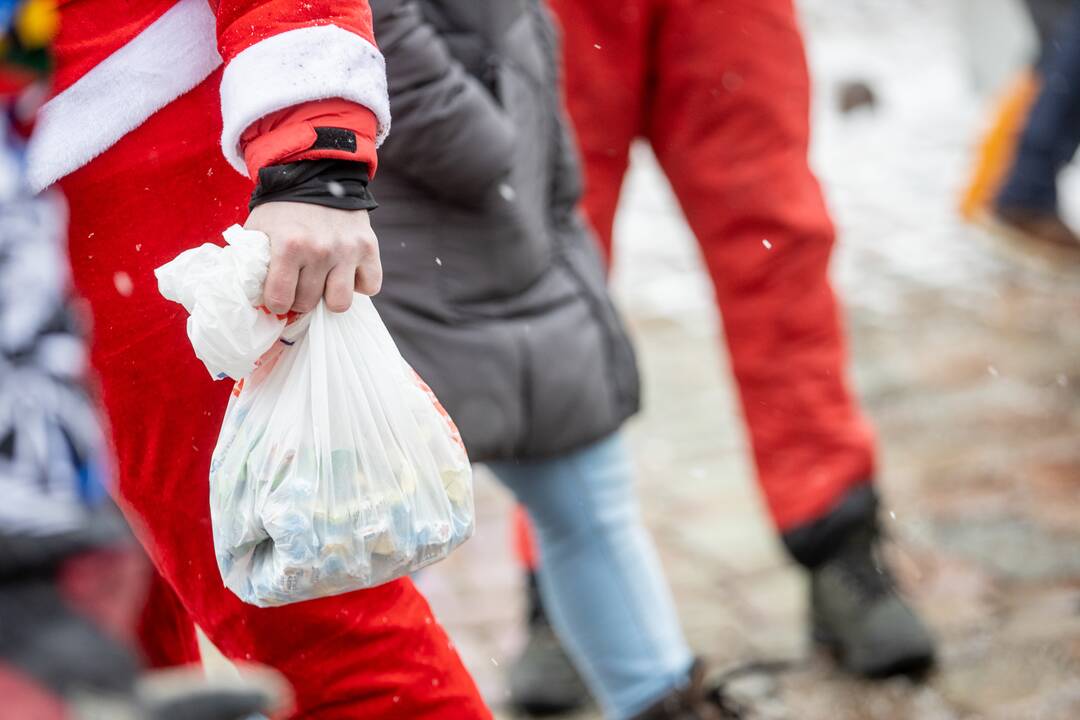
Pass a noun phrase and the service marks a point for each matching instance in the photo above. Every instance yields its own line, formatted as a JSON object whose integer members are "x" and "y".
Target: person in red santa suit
{"x": 720, "y": 90}
{"x": 163, "y": 114}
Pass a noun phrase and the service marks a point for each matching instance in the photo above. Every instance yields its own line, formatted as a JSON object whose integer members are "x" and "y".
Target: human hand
{"x": 316, "y": 252}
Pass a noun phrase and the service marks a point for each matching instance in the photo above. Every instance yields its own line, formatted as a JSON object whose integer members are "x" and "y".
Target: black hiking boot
{"x": 697, "y": 700}
{"x": 543, "y": 680}
{"x": 858, "y": 615}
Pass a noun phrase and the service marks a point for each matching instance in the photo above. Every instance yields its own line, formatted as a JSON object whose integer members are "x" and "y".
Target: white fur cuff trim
{"x": 298, "y": 66}
{"x": 170, "y": 57}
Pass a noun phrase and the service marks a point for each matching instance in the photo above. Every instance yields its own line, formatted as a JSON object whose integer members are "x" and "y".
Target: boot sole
{"x": 915, "y": 665}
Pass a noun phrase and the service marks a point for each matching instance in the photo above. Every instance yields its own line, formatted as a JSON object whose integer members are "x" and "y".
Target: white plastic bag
{"x": 336, "y": 467}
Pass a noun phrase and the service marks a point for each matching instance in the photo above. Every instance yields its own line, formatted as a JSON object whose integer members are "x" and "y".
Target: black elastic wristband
{"x": 340, "y": 184}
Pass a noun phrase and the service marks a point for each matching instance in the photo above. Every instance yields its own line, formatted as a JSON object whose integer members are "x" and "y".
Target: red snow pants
{"x": 720, "y": 89}
{"x": 163, "y": 188}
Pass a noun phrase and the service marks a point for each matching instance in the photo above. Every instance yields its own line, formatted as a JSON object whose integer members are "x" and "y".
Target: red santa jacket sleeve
{"x": 283, "y": 55}
{"x": 293, "y": 134}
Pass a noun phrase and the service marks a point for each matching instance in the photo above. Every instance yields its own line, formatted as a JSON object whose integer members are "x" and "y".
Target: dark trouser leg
{"x": 1050, "y": 139}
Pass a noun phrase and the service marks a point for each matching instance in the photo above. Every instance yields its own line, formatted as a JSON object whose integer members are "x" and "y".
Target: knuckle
{"x": 293, "y": 244}
{"x": 338, "y": 304}
{"x": 272, "y": 294}
{"x": 372, "y": 281}
{"x": 368, "y": 249}
{"x": 343, "y": 248}
{"x": 275, "y": 293}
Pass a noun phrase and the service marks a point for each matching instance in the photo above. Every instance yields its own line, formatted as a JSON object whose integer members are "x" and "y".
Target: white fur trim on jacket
{"x": 297, "y": 66}
{"x": 171, "y": 56}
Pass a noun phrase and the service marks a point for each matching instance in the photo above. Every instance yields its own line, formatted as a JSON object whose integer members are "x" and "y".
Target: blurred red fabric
{"x": 31, "y": 700}
{"x": 163, "y": 188}
{"x": 720, "y": 89}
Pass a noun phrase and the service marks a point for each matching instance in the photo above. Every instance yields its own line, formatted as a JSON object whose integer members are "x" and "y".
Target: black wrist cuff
{"x": 340, "y": 184}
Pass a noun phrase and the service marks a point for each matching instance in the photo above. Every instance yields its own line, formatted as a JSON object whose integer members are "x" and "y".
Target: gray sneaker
{"x": 857, "y": 613}
{"x": 543, "y": 681}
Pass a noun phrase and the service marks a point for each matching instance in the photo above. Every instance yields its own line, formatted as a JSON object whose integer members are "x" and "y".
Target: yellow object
{"x": 998, "y": 148}
{"x": 37, "y": 23}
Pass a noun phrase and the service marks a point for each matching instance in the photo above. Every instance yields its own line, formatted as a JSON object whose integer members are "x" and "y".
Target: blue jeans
{"x": 1052, "y": 133}
{"x": 600, "y": 578}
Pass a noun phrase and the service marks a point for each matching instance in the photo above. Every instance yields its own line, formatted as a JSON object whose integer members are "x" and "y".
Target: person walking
{"x": 1026, "y": 204}
{"x": 720, "y": 90}
{"x": 494, "y": 291}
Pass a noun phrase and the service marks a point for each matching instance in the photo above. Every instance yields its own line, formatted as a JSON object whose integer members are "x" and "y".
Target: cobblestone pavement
{"x": 967, "y": 357}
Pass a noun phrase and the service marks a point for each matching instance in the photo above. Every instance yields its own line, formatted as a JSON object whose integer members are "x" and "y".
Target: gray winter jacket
{"x": 493, "y": 287}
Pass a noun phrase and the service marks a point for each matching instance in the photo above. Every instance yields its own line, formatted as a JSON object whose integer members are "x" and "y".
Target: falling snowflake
{"x": 122, "y": 283}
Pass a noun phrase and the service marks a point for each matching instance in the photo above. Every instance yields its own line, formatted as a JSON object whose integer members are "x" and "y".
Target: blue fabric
{"x": 1052, "y": 133}
{"x": 600, "y": 577}
{"x": 7, "y": 12}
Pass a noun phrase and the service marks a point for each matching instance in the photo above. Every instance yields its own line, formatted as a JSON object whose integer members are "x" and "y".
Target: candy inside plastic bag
{"x": 336, "y": 467}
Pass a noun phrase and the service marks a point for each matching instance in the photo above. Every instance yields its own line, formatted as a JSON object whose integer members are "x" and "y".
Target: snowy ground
{"x": 966, "y": 354}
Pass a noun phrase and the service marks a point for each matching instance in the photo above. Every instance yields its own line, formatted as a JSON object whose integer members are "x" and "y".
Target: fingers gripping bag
{"x": 336, "y": 467}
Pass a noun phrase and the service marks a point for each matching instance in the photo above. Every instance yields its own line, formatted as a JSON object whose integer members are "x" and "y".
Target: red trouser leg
{"x": 606, "y": 52}
{"x": 727, "y": 98}
{"x": 730, "y": 126}
{"x": 166, "y": 632}
{"x": 165, "y": 187}
{"x": 28, "y": 698}
{"x": 524, "y": 540}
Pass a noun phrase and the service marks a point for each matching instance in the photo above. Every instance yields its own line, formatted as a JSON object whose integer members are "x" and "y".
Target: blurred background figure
{"x": 72, "y": 579}
{"x": 1033, "y": 136}
{"x": 495, "y": 292}
{"x": 721, "y": 91}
